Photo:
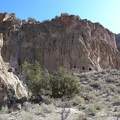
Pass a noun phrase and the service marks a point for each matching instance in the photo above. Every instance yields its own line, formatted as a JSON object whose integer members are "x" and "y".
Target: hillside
{"x": 99, "y": 99}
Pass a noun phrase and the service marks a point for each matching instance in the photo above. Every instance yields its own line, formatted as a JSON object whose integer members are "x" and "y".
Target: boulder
{"x": 10, "y": 85}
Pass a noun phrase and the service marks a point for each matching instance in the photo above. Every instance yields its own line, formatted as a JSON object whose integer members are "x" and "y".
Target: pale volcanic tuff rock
{"x": 4, "y": 17}
{"x": 10, "y": 85}
{"x": 64, "y": 41}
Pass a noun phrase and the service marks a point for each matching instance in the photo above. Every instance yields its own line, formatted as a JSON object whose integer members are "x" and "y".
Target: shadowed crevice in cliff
{"x": 117, "y": 37}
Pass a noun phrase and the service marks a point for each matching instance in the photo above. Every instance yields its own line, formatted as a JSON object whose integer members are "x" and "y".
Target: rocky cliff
{"x": 67, "y": 40}
{"x": 10, "y": 85}
{"x": 117, "y": 36}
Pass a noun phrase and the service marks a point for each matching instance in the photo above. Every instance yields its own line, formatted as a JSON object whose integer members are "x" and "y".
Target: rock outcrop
{"x": 117, "y": 36}
{"x": 79, "y": 45}
{"x": 4, "y": 17}
{"x": 10, "y": 85}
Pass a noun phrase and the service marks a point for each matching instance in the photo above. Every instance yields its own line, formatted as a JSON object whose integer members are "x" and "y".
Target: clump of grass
{"x": 81, "y": 116}
{"x": 113, "y": 88}
{"x": 47, "y": 108}
{"x": 26, "y": 116}
{"x": 110, "y": 80}
{"x": 103, "y": 72}
{"x": 78, "y": 99}
{"x": 4, "y": 116}
{"x": 67, "y": 104}
{"x": 117, "y": 102}
{"x": 84, "y": 76}
{"x": 38, "y": 110}
{"x": 4, "y": 109}
{"x": 92, "y": 108}
{"x": 107, "y": 70}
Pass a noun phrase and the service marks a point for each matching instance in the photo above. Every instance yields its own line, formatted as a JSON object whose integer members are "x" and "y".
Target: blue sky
{"x": 106, "y": 12}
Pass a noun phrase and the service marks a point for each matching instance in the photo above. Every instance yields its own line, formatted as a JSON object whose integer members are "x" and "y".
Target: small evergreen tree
{"x": 32, "y": 20}
{"x": 13, "y": 15}
{"x": 63, "y": 84}
{"x": 34, "y": 78}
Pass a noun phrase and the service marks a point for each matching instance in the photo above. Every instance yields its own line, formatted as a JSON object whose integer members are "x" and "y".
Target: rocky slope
{"x": 79, "y": 45}
{"x": 10, "y": 85}
{"x": 99, "y": 99}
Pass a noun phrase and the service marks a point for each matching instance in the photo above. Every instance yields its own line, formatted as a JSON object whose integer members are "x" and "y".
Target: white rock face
{"x": 10, "y": 85}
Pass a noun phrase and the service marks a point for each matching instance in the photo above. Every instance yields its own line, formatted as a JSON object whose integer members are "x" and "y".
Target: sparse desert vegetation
{"x": 98, "y": 99}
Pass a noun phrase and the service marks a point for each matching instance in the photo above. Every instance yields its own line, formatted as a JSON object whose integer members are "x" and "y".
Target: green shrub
{"x": 33, "y": 20}
{"x": 63, "y": 84}
{"x": 59, "y": 84}
{"x": 13, "y": 15}
{"x": 35, "y": 78}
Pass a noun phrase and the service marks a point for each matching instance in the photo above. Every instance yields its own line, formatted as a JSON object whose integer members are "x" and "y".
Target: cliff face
{"x": 117, "y": 36}
{"x": 10, "y": 85}
{"x": 64, "y": 41}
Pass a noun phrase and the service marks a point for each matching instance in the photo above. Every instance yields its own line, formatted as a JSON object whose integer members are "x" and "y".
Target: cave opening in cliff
{"x": 74, "y": 66}
{"x": 54, "y": 42}
{"x": 8, "y": 34}
{"x": 19, "y": 62}
{"x": 90, "y": 69}
{"x": 83, "y": 68}
{"x": 2, "y": 86}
